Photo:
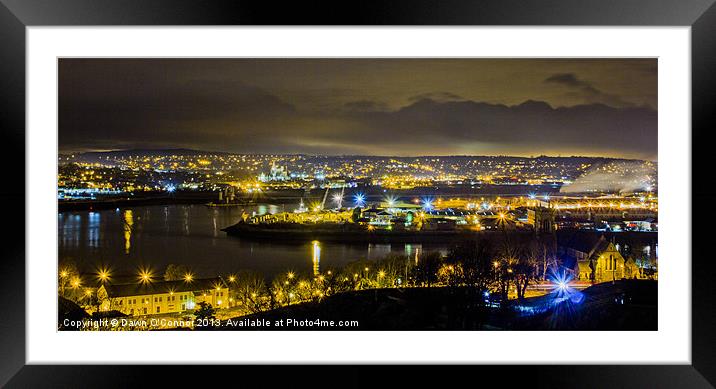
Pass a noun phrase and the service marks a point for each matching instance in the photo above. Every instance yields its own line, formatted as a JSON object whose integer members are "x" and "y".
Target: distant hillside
{"x": 92, "y": 156}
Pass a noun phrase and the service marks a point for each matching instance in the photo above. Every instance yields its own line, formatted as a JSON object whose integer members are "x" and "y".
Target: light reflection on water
{"x": 155, "y": 236}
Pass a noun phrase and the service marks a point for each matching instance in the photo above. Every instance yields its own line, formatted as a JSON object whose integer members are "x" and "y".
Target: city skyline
{"x": 381, "y": 107}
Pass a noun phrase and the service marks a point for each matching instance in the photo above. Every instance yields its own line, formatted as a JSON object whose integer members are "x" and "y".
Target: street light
{"x": 359, "y": 199}
{"x": 427, "y": 203}
{"x": 391, "y": 200}
{"x": 338, "y": 199}
{"x": 103, "y": 275}
{"x": 145, "y": 276}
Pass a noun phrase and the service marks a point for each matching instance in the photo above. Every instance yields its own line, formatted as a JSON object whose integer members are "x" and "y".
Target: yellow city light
{"x": 145, "y": 276}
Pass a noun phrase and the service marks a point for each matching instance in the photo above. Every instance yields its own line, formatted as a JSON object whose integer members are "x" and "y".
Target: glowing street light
{"x": 338, "y": 199}
{"x": 359, "y": 199}
{"x": 562, "y": 286}
{"x": 290, "y": 275}
{"x": 145, "y": 276}
{"x": 63, "y": 274}
{"x": 188, "y": 277}
{"x": 391, "y": 200}
{"x": 427, "y": 204}
{"x": 103, "y": 275}
{"x": 232, "y": 278}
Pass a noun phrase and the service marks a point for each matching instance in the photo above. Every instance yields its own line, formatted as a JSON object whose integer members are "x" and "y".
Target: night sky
{"x": 396, "y": 107}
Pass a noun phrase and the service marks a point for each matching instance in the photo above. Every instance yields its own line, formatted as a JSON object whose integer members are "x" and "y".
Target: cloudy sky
{"x": 396, "y": 107}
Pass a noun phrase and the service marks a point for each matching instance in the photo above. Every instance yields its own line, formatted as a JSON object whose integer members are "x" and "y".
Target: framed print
{"x": 468, "y": 183}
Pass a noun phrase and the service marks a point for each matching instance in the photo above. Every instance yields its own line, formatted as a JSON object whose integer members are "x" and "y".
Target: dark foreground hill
{"x": 623, "y": 305}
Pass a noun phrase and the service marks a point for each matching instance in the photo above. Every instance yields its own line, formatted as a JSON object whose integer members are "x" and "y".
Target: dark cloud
{"x": 586, "y": 90}
{"x": 471, "y": 127}
{"x": 365, "y": 106}
{"x": 436, "y": 96}
{"x": 284, "y": 106}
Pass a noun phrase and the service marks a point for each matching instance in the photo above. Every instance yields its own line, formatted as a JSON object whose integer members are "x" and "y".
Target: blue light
{"x": 563, "y": 291}
{"x": 427, "y": 203}
{"x": 359, "y": 199}
{"x": 170, "y": 188}
{"x": 560, "y": 283}
{"x": 532, "y": 196}
{"x": 486, "y": 293}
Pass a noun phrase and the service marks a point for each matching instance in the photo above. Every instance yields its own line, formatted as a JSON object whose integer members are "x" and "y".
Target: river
{"x": 128, "y": 239}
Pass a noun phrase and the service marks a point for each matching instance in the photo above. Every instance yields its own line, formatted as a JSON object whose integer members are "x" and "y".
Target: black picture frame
{"x": 16, "y": 15}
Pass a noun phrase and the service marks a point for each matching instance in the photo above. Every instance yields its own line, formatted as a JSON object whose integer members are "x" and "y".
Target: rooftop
{"x": 161, "y": 287}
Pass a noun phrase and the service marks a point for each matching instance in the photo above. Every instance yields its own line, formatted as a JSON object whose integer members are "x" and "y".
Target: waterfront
{"x": 155, "y": 236}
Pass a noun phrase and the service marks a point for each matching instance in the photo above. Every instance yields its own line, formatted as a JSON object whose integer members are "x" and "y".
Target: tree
{"x": 205, "y": 311}
{"x": 68, "y": 280}
{"x": 518, "y": 262}
{"x": 525, "y": 268}
{"x": 545, "y": 255}
{"x": 251, "y": 292}
{"x": 175, "y": 272}
{"x": 426, "y": 271}
{"x": 68, "y": 311}
{"x": 472, "y": 263}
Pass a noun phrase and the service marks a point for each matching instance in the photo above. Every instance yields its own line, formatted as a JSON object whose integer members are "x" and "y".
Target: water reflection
{"x": 191, "y": 235}
{"x": 128, "y": 223}
{"x": 316, "y": 257}
{"x": 413, "y": 251}
{"x": 93, "y": 231}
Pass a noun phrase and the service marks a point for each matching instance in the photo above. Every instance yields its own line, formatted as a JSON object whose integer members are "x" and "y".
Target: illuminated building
{"x": 597, "y": 261}
{"x": 162, "y": 297}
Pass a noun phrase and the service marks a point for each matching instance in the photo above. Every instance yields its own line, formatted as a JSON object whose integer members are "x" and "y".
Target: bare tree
{"x": 426, "y": 270}
{"x": 525, "y": 267}
{"x": 251, "y": 292}
{"x": 472, "y": 263}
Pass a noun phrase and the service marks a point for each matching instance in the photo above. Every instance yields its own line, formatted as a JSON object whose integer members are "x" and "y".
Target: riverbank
{"x": 160, "y": 198}
{"x": 96, "y": 205}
